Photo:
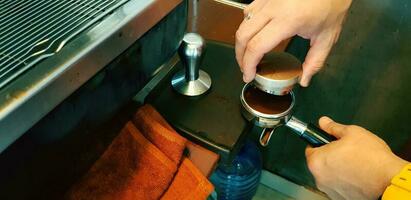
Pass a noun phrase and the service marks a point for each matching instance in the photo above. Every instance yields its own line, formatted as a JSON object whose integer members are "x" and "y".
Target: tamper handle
{"x": 191, "y": 55}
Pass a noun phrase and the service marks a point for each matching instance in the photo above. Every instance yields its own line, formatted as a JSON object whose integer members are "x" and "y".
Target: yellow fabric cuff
{"x": 400, "y": 188}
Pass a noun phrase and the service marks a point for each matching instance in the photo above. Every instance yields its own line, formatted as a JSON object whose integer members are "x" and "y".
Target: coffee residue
{"x": 267, "y": 103}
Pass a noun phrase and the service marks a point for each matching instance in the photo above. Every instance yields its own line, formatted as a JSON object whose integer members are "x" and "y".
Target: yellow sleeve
{"x": 400, "y": 188}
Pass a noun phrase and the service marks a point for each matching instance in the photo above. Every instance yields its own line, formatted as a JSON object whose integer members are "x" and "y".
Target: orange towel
{"x": 204, "y": 159}
{"x": 130, "y": 169}
{"x": 141, "y": 165}
{"x": 159, "y": 132}
{"x": 189, "y": 184}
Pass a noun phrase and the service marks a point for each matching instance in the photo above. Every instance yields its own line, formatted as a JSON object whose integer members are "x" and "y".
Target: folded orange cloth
{"x": 188, "y": 184}
{"x": 159, "y": 132}
{"x": 142, "y": 165}
{"x": 130, "y": 169}
{"x": 204, "y": 159}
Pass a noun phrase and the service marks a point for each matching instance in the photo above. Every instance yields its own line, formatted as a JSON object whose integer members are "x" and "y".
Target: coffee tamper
{"x": 278, "y": 73}
{"x": 191, "y": 81}
{"x": 268, "y": 101}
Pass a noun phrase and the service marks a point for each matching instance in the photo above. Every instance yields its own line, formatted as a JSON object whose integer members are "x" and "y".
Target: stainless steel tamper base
{"x": 191, "y": 88}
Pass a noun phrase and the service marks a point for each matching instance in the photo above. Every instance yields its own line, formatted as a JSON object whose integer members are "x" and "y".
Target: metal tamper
{"x": 191, "y": 81}
{"x": 278, "y": 73}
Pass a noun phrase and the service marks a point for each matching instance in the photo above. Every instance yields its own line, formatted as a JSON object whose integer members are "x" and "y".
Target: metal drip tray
{"x": 34, "y": 30}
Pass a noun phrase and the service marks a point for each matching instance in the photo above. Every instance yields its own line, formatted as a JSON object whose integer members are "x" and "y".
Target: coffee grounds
{"x": 267, "y": 103}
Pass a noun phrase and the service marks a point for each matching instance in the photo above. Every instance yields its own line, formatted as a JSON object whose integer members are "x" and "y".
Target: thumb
{"x": 309, "y": 151}
{"x": 333, "y": 128}
{"x": 316, "y": 56}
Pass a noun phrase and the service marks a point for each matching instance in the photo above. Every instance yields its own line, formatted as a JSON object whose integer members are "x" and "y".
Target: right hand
{"x": 273, "y": 21}
{"x": 359, "y": 165}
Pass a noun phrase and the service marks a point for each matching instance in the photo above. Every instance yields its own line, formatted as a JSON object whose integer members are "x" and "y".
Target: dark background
{"x": 366, "y": 81}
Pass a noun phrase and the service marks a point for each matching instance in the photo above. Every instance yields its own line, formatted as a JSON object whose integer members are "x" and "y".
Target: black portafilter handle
{"x": 310, "y": 133}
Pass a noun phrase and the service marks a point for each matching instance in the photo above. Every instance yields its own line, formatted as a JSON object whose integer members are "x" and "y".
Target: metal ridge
{"x": 33, "y": 94}
{"x": 34, "y": 30}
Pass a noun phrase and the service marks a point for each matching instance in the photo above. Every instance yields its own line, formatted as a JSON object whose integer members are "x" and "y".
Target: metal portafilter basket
{"x": 268, "y": 101}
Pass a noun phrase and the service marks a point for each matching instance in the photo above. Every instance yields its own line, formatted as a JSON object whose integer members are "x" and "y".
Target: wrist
{"x": 393, "y": 167}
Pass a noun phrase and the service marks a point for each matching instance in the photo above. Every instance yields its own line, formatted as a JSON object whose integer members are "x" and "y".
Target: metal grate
{"x": 32, "y": 30}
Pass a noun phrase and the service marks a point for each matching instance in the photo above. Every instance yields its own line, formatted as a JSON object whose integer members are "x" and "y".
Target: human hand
{"x": 359, "y": 165}
{"x": 271, "y": 21}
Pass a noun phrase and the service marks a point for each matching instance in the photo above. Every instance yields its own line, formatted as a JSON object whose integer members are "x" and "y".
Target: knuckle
{"x": 314, "y": 66}
{"x": 247, "y": 9}
{"x": 314, "y": 165}
{"x": 352, "y": 128}
{"x": 330, "y": 126}
{"x": 317, "y": 65}
{"x": 240, "y": 36}
{"x": 254, "y": 46}
{"x": 265, "y": 14}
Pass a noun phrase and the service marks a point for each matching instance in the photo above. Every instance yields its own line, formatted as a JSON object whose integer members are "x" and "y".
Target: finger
{"x": 264, "y": 41}
{"x": 333, "y": 128}
{"x": 309, "y": 151}
{"x": 316, "y": 57}
{"x": 246, "y": 31}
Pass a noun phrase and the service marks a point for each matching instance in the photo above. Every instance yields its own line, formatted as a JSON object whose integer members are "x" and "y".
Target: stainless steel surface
{"x": 191, "y": 54}
{"x": 34, "y": 30}
{"x": 232, "y": 3}
{"x": 286, "y": 188}
{"x": 160, "y": 74}
{"x": 266, "y": 121}
{"x": 266, "y": 135}
{"x": 262, "y": 119}
{"x": 275, "y": 187}
{"x": 218, "y": 20}
{"x": 191, "y": 81}
{"x": 270, "y": 122}
{"x": 285, "y": 73}
{"x": 33, "y": 94}
{"x": 296, "y": 125}
{"x": 191, "y": 88}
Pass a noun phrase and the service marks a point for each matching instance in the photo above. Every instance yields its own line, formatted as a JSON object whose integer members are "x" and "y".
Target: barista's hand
{"x": 359, "y": 165}
{"x": 272, "y": 21}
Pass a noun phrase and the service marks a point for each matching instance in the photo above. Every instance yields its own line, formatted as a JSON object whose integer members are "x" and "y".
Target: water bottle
{"x": 239, "y": 180}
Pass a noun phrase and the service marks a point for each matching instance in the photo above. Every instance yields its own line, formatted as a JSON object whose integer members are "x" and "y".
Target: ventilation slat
{"x": 34, "y": 30}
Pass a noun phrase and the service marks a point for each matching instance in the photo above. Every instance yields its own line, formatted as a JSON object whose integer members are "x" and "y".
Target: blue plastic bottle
{"x": 239, "y": 180}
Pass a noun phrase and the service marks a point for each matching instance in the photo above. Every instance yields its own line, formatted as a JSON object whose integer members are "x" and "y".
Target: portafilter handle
{"x": 313, "y": 135}
{"x": 191, "y": 81}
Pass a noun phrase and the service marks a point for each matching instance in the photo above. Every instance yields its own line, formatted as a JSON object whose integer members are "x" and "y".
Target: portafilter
{"x": 268, "y": 101}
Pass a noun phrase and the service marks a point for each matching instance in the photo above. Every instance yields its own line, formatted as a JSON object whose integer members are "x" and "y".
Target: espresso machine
{"x": 82, "y": 69}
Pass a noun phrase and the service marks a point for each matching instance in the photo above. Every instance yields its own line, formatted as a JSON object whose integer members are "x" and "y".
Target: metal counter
{"x": 28, "y": 98}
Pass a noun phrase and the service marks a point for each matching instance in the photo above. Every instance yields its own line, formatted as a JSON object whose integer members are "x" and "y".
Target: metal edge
{"x": 263, "y": 115}
{"x": 232, "y": 3}
{"x": 29, "y": 98}
{"x": 289, "y": 188}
